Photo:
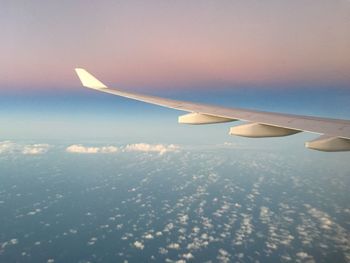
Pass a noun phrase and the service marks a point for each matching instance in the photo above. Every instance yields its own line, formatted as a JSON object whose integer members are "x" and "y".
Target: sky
{"x": 70, "y": 157}
{"x": 288, "y": 56}
{"x": 63, "y": 145}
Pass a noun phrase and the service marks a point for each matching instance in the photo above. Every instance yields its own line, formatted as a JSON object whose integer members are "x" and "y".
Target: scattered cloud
{"x": 139, "y": 245}
{"x": 78, "y": 148}
{"x": 157, "y": 148}
{"x": 92, "y": 241}
{"x": 188, "y": 256}
{"x": 174, "y": 246}
{"x": 223, "y": 256}
{"x": 35, "y": 149}
{"x": 13, "y": 241}
{"x": 149, "y": 236}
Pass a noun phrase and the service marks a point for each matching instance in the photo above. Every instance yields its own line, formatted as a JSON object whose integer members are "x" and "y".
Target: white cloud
{"x": 223, "y": 256}
{"x": 139, "y": 245}
{"x": 163, "y": 251}
{"x": 35, "y": 149}
{"x": 174, "y": 246}
{"x": 188, "y": 255}
{"x": 9, "y": 147}
{"x": 6, "y": 146}
{"x": 14, "y": 241}
{"x": 149, "y": 236}
{"x": 158, "y": 148}
{"x": 92, "y": 241}
{"x": 302, "y": 255}
{"x": 27, "y": 149}
{"x": 78, "y": 148}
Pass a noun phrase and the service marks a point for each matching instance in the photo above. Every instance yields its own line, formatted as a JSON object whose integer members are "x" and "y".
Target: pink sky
{"x": 175, "y": 43}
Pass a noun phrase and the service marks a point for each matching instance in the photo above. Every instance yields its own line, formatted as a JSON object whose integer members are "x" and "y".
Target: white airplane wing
{"x": 335, "y": 134}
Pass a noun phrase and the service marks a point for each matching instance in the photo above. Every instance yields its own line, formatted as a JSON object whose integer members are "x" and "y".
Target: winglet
{"x": 89, "y": 80}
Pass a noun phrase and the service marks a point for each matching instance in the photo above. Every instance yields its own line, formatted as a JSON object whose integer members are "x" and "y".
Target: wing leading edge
{"x": 335, "y": 134}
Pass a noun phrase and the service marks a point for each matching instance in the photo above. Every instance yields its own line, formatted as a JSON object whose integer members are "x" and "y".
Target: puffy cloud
{"x": 188, "y": 255}
{"x": 35, "y": 149}
{"x": 158, "y": 148}
{"x": 139, "y": 245}
{"x": 6, "y": 146}
{"x": 174, "y": 246}
{"x": 163, "y": 251}
{"x": 78, "y": 148}
{"x": 149, "y": 236}
{"x": 223, "y": 256}
{"x": 28, "y": 149}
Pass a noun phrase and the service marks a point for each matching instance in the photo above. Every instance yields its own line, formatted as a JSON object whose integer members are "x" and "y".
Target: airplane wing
{"x": 335, "y": 133}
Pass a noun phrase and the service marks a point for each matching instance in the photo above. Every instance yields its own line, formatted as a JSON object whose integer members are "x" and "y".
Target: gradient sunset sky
{"x": 291, "y": 56}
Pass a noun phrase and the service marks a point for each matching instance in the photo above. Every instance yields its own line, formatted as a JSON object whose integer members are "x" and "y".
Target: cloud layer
{"x": 9, "y": 147}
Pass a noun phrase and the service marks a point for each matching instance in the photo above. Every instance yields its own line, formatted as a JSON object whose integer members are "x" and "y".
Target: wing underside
{"x": 335, "y": 134}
